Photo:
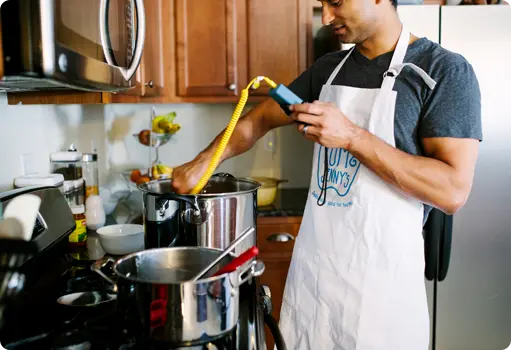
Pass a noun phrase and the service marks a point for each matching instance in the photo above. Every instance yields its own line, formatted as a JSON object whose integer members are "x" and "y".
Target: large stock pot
{"x": 225, "y": 208}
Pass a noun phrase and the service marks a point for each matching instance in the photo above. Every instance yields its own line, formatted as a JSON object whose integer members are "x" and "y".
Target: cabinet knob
{"x": 150, "y": 84}
{"x": 232, "y": 87}
{"x": 280, "y": 237}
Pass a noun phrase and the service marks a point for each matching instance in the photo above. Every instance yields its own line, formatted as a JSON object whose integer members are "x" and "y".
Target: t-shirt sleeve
{"x": 302, "y": 86}
{"x": 453, "y": 109}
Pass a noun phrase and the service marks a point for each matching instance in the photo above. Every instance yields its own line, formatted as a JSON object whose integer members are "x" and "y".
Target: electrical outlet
{"x": 270, "y": 141}
{"x": 28, "y": 163}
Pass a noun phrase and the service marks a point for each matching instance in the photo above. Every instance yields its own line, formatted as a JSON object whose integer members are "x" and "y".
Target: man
{"x": 396, "y": 125}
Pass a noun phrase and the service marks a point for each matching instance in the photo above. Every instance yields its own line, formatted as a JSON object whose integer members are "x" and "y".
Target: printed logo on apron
{"x": 341, "y": 174}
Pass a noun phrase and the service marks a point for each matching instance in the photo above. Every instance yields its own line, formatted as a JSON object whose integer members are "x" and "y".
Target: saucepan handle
{"x": 98, "y": 265}
{"x": 255, "y": 269}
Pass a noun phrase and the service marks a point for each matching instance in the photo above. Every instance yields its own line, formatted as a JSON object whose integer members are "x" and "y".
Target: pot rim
{"x": 200, "y": 281}
{"x": 144, "y": 188}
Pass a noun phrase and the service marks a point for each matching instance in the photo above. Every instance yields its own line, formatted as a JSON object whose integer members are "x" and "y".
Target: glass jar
{"x": 69, "y": 164}
{"x": 90, "y": 174}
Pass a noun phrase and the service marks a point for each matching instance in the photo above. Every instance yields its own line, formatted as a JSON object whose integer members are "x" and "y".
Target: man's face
{"x": 353, "y": 21}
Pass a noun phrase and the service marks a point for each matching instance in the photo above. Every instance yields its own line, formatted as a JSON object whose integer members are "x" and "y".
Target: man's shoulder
{"x": 436, "y": 60}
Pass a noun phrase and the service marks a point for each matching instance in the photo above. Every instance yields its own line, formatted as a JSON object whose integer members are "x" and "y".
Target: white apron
{"x": 356, "y": 279}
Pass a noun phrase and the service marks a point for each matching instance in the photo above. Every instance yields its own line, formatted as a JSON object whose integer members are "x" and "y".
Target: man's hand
{"x": 186, "y": 176}
{"x": 328, "y": 126}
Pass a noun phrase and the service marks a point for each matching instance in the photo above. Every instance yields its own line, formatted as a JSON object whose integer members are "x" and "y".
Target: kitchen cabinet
{"x": 275, "y": 240}
{"x": 276, "y": 31}
{"x": 206, "y": 48}
{"x": 250, "y": 38}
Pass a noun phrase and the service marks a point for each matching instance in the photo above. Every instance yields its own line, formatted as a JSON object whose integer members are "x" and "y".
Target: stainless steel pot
{"x": 214, "y": 218}
{"x": 171, "y": 310}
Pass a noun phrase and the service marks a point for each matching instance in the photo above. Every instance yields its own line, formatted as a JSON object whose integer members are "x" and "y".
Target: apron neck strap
{"x": 338, "y": 68}
{"x": 402, "y": 46}
{"x": 397, "y": 58}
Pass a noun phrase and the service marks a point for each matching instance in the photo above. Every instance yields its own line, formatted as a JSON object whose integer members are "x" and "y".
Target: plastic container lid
{"x": 56, "y": 180}
{"x": 78, "y": 209}
{"x": 66, "y": 156}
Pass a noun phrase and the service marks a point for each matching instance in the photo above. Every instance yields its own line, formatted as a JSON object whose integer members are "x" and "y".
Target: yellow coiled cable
{"x": 256, "y": 82}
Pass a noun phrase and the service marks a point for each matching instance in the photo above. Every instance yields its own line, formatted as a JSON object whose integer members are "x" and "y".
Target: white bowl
{"x": 121, "y": 239}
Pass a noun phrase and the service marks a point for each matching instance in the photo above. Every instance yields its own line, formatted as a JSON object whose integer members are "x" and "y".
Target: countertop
{"x": 289, "y": 202}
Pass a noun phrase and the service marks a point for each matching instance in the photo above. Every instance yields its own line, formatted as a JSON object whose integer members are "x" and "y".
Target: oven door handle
{"x": 127, "y": 73}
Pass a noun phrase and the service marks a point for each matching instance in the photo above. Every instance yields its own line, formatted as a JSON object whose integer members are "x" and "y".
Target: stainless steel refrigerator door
{"x": 474, "y": 301}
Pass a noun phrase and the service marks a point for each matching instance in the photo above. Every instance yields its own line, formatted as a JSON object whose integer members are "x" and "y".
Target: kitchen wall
{"x": 30, "y": 133}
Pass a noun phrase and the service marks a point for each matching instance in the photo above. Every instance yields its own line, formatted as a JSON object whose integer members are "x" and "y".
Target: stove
{"x": 37, "y": 321}
{"x": 50, "y": 325}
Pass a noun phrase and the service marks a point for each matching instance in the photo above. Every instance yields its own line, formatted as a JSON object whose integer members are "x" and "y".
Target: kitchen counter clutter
{"x": 289, "y": 202}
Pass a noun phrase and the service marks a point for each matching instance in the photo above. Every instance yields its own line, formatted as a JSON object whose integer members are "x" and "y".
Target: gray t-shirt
{"x": 452, "y": 109}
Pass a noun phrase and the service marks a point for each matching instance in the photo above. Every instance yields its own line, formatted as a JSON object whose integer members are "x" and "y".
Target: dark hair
{"x": 394, "y": 3}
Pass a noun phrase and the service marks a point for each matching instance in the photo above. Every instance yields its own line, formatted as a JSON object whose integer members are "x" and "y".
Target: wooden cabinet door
{"x": 274, "y": 277}
{"x": 151, "y": 67}
{"x": 276, "y": 33}
{"x": 275, "y": 240}
{"x": 206, "y": 48}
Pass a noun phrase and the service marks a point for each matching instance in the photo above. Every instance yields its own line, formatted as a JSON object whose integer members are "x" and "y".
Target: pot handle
{"x": 174, "y": 196}
{"x": 255, "y": 269}
{"x": 223, "y": 175}
{"x": 98, "y": 265}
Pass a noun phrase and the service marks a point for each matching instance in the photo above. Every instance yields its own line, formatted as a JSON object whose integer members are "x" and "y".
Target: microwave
{"x": 90, "y": 45}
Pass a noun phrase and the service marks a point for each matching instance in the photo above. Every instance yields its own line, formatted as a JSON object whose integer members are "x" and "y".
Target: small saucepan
{"x": 155, "y": 285}
{"x": 267, "y": 193}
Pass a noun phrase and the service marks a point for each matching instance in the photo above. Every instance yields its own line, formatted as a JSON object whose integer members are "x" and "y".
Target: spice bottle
{"x": 79, "y": 236}
{"x": 90, "y": 174}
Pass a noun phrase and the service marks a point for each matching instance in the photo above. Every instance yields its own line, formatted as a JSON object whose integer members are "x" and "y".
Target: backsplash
{"x": 32, "y": 132}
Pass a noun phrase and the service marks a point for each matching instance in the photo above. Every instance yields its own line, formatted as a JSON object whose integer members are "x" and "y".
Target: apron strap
{"x": 396, "y": 65}
{"x": 338, "y": 68}
{"x": 402, "y": 46}
{"x": 396, "y": 70}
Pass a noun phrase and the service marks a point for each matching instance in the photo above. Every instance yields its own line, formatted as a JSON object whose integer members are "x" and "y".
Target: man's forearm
{"x": 244, "y": 136}
{"x": 430, "y": 180}
{"x": 249, "y": 129}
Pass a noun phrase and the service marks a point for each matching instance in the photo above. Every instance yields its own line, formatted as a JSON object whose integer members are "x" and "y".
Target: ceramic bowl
{"x": 121, "y": 239}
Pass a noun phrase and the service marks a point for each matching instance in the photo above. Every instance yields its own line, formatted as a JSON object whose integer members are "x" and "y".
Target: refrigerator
{"x": 468, "y": 254}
